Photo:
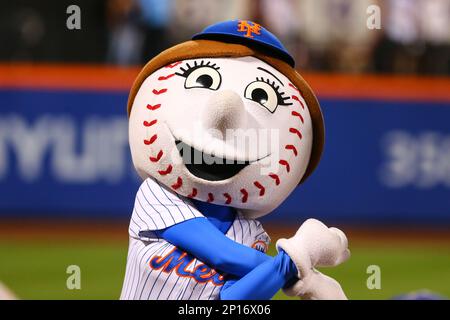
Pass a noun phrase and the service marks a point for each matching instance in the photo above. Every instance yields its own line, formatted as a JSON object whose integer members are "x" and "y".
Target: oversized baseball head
{"x": 225, "y": 118}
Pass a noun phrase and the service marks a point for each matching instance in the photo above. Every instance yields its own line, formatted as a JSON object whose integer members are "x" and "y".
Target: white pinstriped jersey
{"x": 158, "y": 270}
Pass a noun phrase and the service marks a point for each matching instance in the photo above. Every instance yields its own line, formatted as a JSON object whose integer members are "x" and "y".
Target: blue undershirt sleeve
{"x": 250, "y": 274}
{"x": 263, "y": 282}
{"x": 203, "y": 240}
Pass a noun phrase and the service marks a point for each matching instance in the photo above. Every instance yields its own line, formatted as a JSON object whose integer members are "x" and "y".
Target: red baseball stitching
{"x": 245, "y": 195}
{"x": 193, "y": 193}
{"x": 162, "y": 78}
{"x": 293, "y": 148}
{"x": 298, "y": 100}
{"x": 296, "y": 114}
{"x": 178, "y": 184}
{"x": 275, "y": 177}
{"x": 169, "y": 168}
{"x": 291, "y": 130}
{"x": 229, "y": 199}
{"x": 261, "y": 188}
{"x": 150, "y": 123}
{"x": 172, "y": 65}
{"x": 158, "y": 156}
{"x": 153, "y": 107}
{"x": 210, "y": 197}
{"x": 296, "y": 89}
{"x": 296, "y": 131}
{"x": 286, "y": 164}
{"x": 160, "y": 91}
{"x": 151, "y": 140}
{"x": 166, "y": 171}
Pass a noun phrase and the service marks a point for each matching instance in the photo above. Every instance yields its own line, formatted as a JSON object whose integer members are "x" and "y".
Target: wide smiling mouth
{"x": 208, "y": 166}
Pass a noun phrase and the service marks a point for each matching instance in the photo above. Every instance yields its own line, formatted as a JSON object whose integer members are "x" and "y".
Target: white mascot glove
{"x": 316, "y": 245}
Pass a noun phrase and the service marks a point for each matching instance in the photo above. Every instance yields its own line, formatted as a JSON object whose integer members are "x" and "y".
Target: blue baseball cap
{"x": 247, "y": 33}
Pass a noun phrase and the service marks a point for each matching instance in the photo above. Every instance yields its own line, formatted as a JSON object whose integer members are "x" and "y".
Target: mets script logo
{"x": 249, "y": 28}
{"x": 179, "y": 261}
{"x": 260, "y": 246}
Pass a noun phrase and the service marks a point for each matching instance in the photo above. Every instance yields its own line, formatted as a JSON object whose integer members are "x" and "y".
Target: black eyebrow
{"x": 262, "y": 69}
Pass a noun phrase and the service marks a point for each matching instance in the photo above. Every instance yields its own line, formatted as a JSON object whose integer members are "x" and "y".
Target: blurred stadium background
{"x": 67, "y": 183}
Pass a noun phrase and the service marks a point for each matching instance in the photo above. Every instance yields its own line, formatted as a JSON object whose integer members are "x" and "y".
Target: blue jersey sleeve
{"x": 251, "y": 274}
{"x": 203, "y": 240}
{"x": 263, "y": 282}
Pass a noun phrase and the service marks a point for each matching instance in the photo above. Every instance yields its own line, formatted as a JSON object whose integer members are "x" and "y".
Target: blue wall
{"x": 66, "y": 153}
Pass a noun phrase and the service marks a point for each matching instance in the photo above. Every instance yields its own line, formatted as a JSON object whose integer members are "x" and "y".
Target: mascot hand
{"x": 316, "y": 286}
{"x": 316, "y": 245}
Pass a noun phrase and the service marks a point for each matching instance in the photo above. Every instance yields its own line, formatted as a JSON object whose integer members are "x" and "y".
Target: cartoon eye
{"x": 201, "y": 75}
{"x": 265, "y": 93}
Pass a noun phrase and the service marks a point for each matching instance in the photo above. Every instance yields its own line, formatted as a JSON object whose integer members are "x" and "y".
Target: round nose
{"x": 224, "y": 110}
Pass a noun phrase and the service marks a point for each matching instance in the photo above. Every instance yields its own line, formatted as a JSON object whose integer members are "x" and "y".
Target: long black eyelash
{"x": 280, "y": 95}
{"x": 188, "y": 68}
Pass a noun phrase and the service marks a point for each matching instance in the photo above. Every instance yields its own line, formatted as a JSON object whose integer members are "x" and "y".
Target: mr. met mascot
{"x": 222, "y": 128}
